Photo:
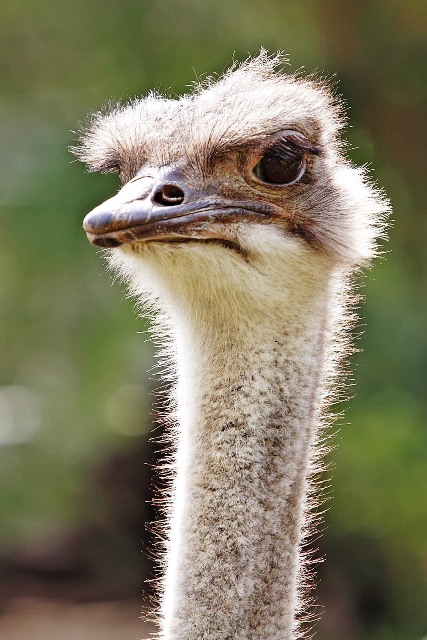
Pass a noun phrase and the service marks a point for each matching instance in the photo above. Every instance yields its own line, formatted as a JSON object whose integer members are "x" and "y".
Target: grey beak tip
{"x": 97, "y": 222}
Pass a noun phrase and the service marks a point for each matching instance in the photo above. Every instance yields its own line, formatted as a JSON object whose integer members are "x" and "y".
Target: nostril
{"x": 169, "y": 195}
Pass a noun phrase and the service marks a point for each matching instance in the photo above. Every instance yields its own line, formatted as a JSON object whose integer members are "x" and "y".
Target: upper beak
{"x": 134, "y": 213}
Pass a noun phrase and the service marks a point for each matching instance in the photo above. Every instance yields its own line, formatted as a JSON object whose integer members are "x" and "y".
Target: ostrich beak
{"x": 165, "y": 208}
{"x": 146, "y": 209}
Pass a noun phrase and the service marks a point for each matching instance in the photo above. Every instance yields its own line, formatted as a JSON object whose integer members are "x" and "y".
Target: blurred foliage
{"x": 73, "y": 370}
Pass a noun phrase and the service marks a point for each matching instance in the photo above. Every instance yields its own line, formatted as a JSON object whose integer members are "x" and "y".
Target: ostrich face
{"x": 255, "y": 149}
{"x": 177, "y": 202}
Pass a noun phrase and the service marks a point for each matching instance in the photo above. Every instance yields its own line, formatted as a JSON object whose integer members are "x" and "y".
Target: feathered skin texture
{"x": 256, "y": 305}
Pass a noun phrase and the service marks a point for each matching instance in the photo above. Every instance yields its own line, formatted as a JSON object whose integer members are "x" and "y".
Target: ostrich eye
{"x": 282, "y": 164}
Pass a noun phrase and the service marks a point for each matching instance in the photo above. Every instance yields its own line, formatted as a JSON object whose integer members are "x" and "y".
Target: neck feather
{"x": 251, "y": 375}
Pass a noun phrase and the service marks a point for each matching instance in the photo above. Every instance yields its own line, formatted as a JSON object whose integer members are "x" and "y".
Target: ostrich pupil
{"x": 279, "y": 167}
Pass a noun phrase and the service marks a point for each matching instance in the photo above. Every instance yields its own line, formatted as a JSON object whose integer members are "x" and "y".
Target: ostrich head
{"x": 254, "y": 155}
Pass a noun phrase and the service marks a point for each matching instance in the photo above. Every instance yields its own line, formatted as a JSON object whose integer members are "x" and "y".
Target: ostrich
{"x": 242, "y": 224}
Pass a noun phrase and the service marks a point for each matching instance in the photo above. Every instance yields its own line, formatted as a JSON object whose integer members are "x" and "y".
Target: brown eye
{"x": 282, "y": 164}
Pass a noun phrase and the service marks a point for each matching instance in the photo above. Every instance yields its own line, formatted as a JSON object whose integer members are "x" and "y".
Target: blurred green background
{"x": 75, "y": 395}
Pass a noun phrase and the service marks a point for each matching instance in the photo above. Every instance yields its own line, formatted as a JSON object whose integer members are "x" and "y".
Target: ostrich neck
{"x": 247, "y": 412}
